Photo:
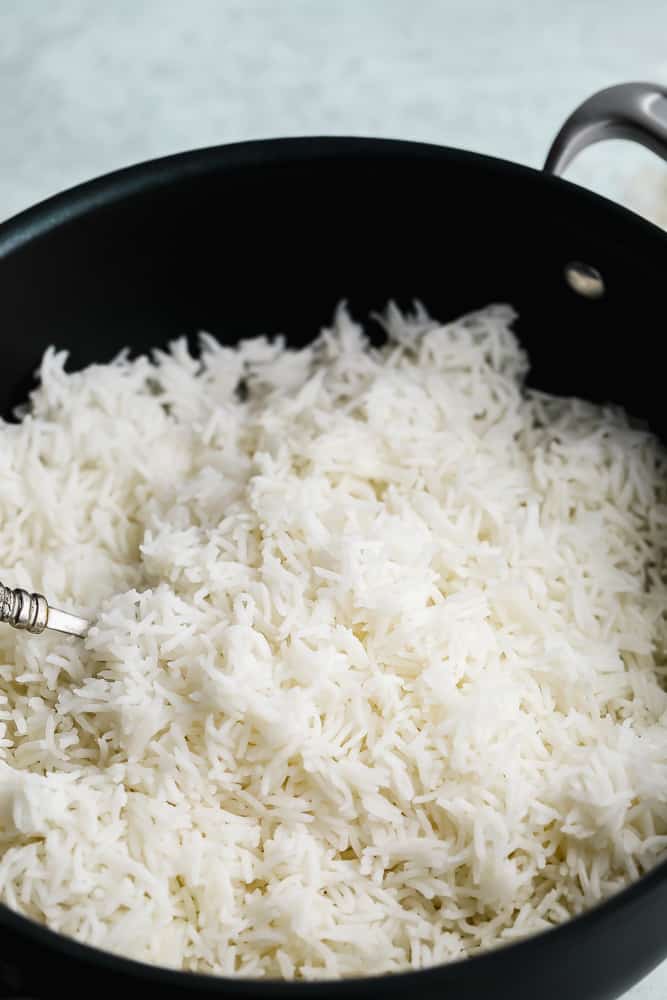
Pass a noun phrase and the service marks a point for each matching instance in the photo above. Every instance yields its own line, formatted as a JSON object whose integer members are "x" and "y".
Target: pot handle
{"x": 636, "y": 111}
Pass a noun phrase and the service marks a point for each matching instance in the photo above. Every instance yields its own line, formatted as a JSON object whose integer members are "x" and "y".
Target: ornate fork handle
{"x": 33, "y": 613}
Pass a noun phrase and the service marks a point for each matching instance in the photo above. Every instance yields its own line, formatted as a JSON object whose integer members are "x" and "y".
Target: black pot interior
{"x": 267, "y": 238}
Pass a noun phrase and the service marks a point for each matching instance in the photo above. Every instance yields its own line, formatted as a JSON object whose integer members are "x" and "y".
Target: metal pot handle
{"x": 636, "y": 111}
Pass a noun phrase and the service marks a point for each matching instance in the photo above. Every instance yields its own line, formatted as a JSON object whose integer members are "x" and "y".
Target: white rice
{"x": 377, "y": 677}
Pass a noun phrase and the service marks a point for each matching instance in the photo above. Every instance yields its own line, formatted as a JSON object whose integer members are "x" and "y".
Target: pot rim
{"x": 106, "y": 189}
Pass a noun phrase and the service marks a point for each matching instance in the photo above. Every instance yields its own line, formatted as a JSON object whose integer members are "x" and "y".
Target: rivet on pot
{"x": 584, "y": 279}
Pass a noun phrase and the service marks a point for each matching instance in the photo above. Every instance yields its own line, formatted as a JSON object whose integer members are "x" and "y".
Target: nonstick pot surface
{"x": 266, "y": 238}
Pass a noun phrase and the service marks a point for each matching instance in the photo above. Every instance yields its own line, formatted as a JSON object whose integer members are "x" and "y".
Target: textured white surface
{"x": 86, "y": 88}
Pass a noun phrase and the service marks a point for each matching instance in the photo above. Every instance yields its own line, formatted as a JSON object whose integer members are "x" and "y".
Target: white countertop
{"x": 87, "y": 87}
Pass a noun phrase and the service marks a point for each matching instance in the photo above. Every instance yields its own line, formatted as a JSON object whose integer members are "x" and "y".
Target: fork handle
{"x": 31, "y": 612}
{"x": 23, "y": 610}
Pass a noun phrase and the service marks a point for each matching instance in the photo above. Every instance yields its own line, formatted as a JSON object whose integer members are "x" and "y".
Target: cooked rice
{"x": 376, "y": 679}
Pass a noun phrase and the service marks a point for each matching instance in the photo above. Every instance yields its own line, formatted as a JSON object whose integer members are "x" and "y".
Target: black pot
{"x": 267, "y": 237}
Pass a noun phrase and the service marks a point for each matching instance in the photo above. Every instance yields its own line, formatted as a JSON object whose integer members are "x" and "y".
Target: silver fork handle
{"x": 636, "y": 111}
{"x": 32, "y": 612}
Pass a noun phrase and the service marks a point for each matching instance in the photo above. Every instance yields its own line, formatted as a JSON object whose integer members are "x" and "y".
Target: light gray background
{"x": 86, "y": 87}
